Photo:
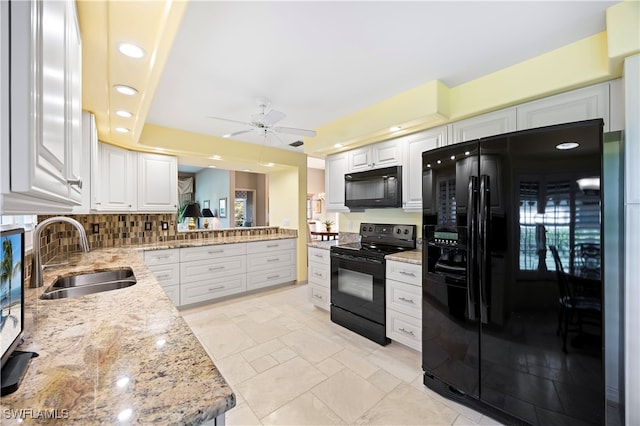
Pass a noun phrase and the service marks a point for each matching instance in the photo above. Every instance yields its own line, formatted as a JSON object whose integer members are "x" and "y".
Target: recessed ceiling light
{"x": 246, "y": 170}
{"x": 123, "y": 113}
{"x": 567, "y": 145}
{"x": 467, "y": 153}
{"x": 122, "y": 130}
{"x": 125, "y": 90}
{"x": 338, "y": 145}
{"x": 453, "y": 157}
{"x": 395, "y": 128}
{"x": 212, "y": 167}
{"x": 131, "y": 50}
{"x": 215, "y": 157}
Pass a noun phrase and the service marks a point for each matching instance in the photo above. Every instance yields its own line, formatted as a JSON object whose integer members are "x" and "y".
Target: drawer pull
{"x": 215, "y": 251}
{"x": 407, "y": 332}
{"x": 410, "y": 274}
{"x": 317, "y": 274}
{"x": 273, "y": 260}
{"x": 161, "y": 277}
{"x": 216, "y": 268}
{"x": 273, "y": 245}
{"x": 317, "y": 296}
{"x": 216, "y": 288}
{"x": 273, "y": 277}
{"x": 407, "y": 300}
{"x": 318, "y": 255}
{"x": 166, "y": 256}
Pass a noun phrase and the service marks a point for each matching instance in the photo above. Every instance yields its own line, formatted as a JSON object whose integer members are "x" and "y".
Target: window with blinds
{"x": 569, "y": 219}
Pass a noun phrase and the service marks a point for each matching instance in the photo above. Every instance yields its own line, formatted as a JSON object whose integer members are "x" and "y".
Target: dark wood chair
{"x": 577, "y": 308}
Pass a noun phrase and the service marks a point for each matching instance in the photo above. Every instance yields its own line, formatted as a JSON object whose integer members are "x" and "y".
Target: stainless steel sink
{"x": 89, "y": 283}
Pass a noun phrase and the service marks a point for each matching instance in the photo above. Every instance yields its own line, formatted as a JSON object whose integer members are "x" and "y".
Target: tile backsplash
{"x": 117, "y": 230}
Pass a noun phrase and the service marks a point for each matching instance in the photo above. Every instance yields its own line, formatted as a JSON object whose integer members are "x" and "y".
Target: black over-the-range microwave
{"x": 373, "y": 188}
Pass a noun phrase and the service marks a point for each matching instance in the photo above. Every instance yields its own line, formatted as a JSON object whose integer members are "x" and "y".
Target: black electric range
{"x": 358, "y": 273}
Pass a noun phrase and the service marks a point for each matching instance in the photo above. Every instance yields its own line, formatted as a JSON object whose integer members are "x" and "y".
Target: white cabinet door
{"x": 77, "y": 169}
{"x": 577, "y": 105}
{"x": 335, "y": 169}
{"x": 117, "y": 179}
{"x": 493, "y": 123}
{"x": 414, "y": 146}
{"x": 44, "y": 104}
{"x": 376, "y": 156}
{"x": 157, "y": 183}
{"x": 88, "y": 162}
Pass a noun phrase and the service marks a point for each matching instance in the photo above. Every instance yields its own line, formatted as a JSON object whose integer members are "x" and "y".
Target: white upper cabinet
{"x": 414, "y": 145}
{"x": 158, "y": 183}
{"x": 493, "y": 123}
{"x": 335, "y": 169}
{"x": 116, "y": 178}
{"x": 577, "y": 105}
{"x": 376, "y": 156}
{"x": 43, "y": 111}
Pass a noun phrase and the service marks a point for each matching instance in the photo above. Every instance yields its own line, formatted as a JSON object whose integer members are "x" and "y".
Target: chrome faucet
{"x": 36, "y": 262}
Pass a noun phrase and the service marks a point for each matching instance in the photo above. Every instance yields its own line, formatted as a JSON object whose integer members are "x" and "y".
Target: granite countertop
{"x": 326, "y": 245}
{"x": 411, "y": 256}
{"x": 163, "y": 245}
{"x": 125, "y": 352}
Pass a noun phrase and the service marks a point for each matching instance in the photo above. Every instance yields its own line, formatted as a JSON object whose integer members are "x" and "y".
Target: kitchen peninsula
{"x": 124, "y": 355}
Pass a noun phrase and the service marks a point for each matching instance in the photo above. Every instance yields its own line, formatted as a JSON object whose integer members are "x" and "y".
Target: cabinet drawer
{"x": 212, "y": 269}
{"x": 319, "y": 256}
{"x": 274, "y": 259}
{"x": 166, "y": 275}
{"x": 405, "y": 298}
{"x": 319, "y": 296}
{"x": 319, "y": 274}
{"x": 404, "y": 329}
{"x": 271, "y": 245}
{"x": 188, "y": 254}
{"x": 201, "y": 291}
{"x": 173, "y": 291}
{"x": 161, "y": 257}
{"x": 405, "y": 272}
{"x": 269, "y": 277}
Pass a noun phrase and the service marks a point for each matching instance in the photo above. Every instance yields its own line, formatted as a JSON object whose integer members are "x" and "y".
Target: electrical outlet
{"x": 165, "y": 226}
{"x": 95, "y": 228}
{"x": 147, "y": 226}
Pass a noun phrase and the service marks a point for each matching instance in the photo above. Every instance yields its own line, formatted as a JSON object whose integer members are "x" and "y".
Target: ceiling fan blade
{"x": 294, "y": 131}
{"x": 272, "y": 117}
{"x": 239, "y": 132}
{"x": 229, "y": 120}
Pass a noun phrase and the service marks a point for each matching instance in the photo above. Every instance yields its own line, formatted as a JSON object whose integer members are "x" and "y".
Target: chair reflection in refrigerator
{"x": 577, "y": 307}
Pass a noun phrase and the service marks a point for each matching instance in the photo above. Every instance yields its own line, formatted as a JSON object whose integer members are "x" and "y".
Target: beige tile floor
{"x": 288, "y": 364}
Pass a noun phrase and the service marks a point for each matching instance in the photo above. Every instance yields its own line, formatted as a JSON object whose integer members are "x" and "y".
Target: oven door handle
{"x": 352, "y": 258}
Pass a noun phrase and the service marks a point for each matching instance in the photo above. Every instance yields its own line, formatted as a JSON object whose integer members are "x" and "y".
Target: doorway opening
{"x": 244, "y": 207}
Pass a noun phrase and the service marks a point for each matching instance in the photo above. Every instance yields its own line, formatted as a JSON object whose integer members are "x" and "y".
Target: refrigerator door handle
{"x": 484, "y": 235}
{"x": 472, "y": 261}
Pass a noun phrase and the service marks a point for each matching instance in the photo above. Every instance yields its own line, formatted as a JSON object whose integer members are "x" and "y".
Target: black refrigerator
{"x": 512, "y": 278}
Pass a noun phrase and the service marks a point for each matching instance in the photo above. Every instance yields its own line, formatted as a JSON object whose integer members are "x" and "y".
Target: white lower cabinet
{"x": 198, "y": 274}
{"x": 319, "y": 277}
{"x": 165, "y": 266}
{"x": 270, "y": 263}
{"x": 404, "y": 303}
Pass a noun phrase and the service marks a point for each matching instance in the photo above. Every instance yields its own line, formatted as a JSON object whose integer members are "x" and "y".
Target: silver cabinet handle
{"x": 273, "y": 277}
{"x": 75, "y": 181}
{"x": 411, "y": 274}
{"x": 216, "y": 268}
{"x": 319, "y": 255}
{"x": 317, "y": 274}
{"x": 317, "y": 296}
{"x": 273, "y": 245}
{"x": 165, "y": 256}
{"x": 407, "y": 300}
{"x": 407, "y": 332}
{"x": 215, "y": 251}
{"x": 163, "y": 276}
{"x": 273, "y": 260}
{"x": 216, "y": 288}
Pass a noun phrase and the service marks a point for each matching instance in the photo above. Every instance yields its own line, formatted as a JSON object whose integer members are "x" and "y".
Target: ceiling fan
{"x": 264, "y": 122}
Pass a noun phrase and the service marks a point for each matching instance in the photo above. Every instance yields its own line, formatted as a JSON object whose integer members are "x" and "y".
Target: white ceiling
{"x": 320, "y": 61}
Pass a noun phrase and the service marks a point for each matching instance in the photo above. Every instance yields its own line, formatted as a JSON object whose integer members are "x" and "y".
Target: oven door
{"x": 357, "y": 285}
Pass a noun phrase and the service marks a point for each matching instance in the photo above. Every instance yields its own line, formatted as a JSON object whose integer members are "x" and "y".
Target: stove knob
{"x": 398, "y": 231}
{"x": 406, "y": 231}
{"x": 370, "y": 229}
